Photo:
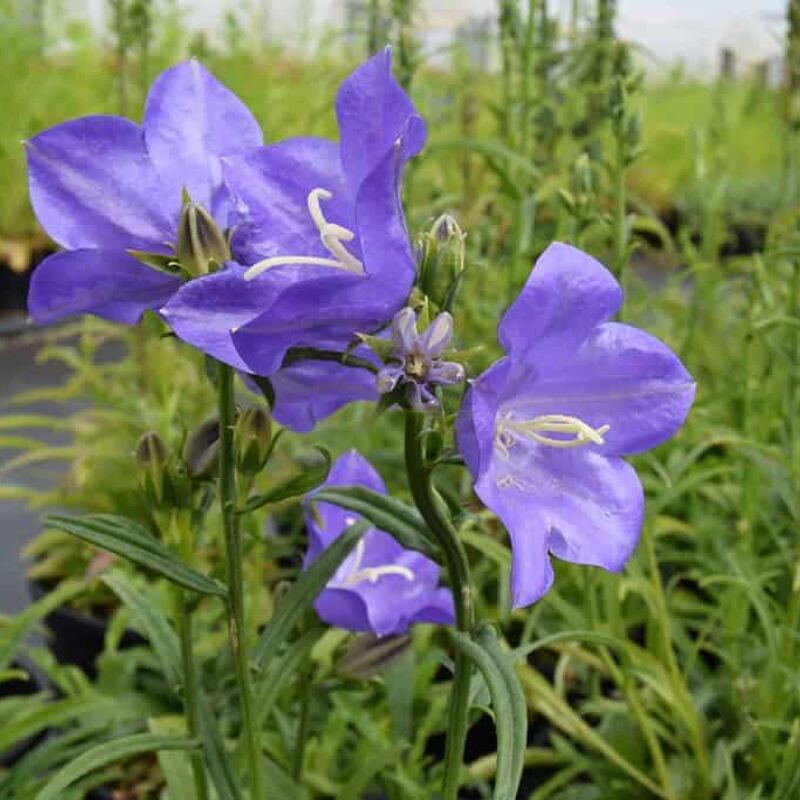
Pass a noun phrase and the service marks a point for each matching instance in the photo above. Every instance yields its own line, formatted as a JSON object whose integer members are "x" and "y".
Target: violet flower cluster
{"x": 320, "y": 255}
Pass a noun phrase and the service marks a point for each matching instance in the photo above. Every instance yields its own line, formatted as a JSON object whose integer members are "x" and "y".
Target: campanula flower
{"x": 381, "y": 587}
{"x": 103, "y": 186}
{"x": 321, "y": 238}
{"x": 544, "y": 429}
{"x": 415, "y": 365}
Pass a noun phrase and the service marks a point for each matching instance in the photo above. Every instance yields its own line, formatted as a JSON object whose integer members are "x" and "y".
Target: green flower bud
{"x": 201, "y": 451}
{"x": 254, "y": 439}
{"x": 201, "y": 244}
{"x": 442, "y": 261}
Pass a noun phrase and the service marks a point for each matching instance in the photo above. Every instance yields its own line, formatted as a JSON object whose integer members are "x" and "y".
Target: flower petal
{"x": 309, "y": 391}
{"x": 190, "y": 121}
{"x": 374, "y": 112}
{"x": 620, "y": 376}
{"x": 577, "y": 504}
{"x": 92, "y": 184}
{"x": 206, "y": 310}
{"x": 437, "y": 335}
{"x": 404, "y": 331}
{"x": 342, "y": 608}
{"x": 110, "y": 284}
{"x": 567, "y": 294}
{"x": 446, "y": 372}
{"x": 270, "y": 187}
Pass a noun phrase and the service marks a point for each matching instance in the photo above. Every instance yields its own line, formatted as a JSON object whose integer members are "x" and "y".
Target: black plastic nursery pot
{"x": 78, "y": 638}
{"x": 20, "y": 687}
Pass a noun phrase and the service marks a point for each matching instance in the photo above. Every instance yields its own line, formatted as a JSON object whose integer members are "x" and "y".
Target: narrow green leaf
{"x": 132, "y": 541}
{"x": 303, "y": 592}
{"x": 384, "y": 512}
{"x": 282, "y": 784}
{"x": 295, "y": 487}
{"x": 109, "y": 753}
{"x": 488, "y": 639}
{"x": 505, "y": 786}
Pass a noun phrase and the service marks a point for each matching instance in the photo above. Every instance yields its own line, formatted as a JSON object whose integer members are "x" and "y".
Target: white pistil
{"x": 537, "y": 429}
{"x": 372, "y": 574}
{"x": 332, "y": 237}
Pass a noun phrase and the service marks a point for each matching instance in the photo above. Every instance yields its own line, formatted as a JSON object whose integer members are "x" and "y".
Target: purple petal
{"x": 437, "y": 335}
{"x": 577, "y": 504}
{"x": 307, "y": 392}
{"x": 404, "y": 331}
{"x": 110, "y": 284}
{"x": 270, "y": 187}
{"x": 342, "y": 608}
{"x": 388, "y": 377}
{"x": 621, "y": 377}
{"x": 92, "y": 184}
{"x": 567, "y": 294}
{"x": 330, "y": 521}
{"x": 445, "y": 372}
{"x": 206, "y": 310}
{"x": 190, "y": 121}
{"x": 374, "y": 112}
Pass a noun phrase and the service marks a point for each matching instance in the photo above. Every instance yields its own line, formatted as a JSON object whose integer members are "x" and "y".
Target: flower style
{"x": 416, "y": 363}
{"x": 381, "y": 587}
{"x": 544, "y": 429}
{"x": 103, "y": 186}
{"x": 320, "y": 232}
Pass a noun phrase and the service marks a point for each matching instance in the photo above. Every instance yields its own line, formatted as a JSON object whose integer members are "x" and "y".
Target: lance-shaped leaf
{"x": 108, "y": 753}
{"x": 294, "y": 488}
{"x": 132, "y": 541}
{"x": 304, "y": 590}
{"x": 385, "y": 513}
{"x": 506, "y": 695}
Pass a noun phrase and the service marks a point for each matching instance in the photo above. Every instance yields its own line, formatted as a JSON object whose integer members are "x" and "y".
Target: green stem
{"x": 419, "y": 479}
{"x": 190, "y": 692}
{"x": 233, "y": 557}
{"x": 619, "y": 224}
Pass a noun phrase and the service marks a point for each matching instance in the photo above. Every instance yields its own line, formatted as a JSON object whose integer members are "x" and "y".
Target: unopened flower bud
{"x": 442, "y": 261}
{"x": 201, "y": 244}
{"x": 370, "y": 655}
{"x": 254, "y": 438}
{"x": 201, "y": 452}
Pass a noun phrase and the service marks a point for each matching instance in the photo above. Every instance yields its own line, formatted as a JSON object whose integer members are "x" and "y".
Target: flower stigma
{"x": 576, "y": 432}
{"x": 332, "y": 236}
{"x": 357, "y": 574}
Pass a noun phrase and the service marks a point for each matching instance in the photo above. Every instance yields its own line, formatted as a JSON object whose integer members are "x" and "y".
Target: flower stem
{"x": 233, "y": 557}
{"x": 419, "y": 479}
{"x": 302, "y": 727}
{"x": 190, "y": 692}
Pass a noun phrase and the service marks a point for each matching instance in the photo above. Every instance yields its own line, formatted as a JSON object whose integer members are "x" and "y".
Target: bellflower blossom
{"x": 380, "y": 587}
{"x": 103, "y": 186}
{"x": 544, "y": 429}
{"x": 416, "y": 364}
{"x": 320, "y": 232}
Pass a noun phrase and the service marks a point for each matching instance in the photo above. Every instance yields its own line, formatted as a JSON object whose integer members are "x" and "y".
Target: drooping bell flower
{"x": 104, "y": 187}
{"x": 320, "y": 232}
{"x": 381, "y": 587}
{"x": 544, "y": 429}
{"x": 415, "y": 364}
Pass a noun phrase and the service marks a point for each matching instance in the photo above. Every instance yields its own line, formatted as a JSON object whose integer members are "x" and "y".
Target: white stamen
{"x": 372, "y": 574}
{"x": 536, "y": 430}
{"x": 331, "y": 235}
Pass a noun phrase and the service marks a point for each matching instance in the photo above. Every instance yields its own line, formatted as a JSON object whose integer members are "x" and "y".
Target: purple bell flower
{"x": 416, "y": 364}
{"x": 320, "y": 232}
{"x": 544, "y": 429}
{"x": 381, "y": 587}
{"x": 102, "y": 186}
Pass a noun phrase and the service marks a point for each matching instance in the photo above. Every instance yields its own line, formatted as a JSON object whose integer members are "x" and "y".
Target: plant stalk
{"x": 233, "y": 557}
{"x": 457, "y": 565}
